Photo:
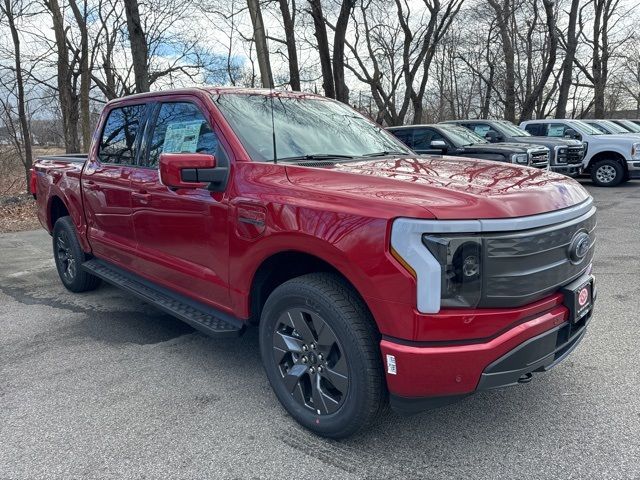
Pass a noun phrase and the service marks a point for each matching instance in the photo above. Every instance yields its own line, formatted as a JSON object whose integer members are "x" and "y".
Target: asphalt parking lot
{"x": 99, "y": 385}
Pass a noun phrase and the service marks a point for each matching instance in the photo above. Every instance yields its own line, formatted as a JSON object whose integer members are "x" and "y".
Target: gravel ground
{"x": 99, "y": 385}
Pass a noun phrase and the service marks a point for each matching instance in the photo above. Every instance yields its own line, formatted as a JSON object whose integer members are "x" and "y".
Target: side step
{"x": 200, "y": 316}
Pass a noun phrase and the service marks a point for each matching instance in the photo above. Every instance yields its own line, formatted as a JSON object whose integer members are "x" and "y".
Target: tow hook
{"x": 526, "y": 378}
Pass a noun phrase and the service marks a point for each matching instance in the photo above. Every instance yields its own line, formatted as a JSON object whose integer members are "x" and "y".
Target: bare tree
{"x": 10, "y": 10}
{"x": 139, "y": 47}
{"x": 288, "y": 20}
{"x": 260, "y": 39}
{"x": 324, "y": 53}
{"x": 570, "y": 44}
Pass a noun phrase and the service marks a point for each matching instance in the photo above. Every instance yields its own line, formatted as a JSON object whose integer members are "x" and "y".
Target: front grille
{"x": 522, "y": 267}
{"x": 571, "y": 155}
{"x": 539, "y": 159}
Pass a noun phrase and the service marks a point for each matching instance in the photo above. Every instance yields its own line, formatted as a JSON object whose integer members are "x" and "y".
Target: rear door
{"x": 106, "y": 184}
{"x": 182, "y": 234}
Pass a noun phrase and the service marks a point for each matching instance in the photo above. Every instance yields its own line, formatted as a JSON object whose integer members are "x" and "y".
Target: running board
{"x": 200, "y": 316}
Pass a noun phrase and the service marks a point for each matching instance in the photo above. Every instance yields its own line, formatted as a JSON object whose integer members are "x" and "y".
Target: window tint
{"x": 118, "y": 143}
{"x": 405, "y": 135}
{"x": 536, "y": 129}
{"x": 181, "y": 128}
{"x": 422, "y": 138}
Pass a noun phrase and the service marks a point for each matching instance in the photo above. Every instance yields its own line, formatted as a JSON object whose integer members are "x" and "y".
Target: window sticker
{"x": 182, "y": 137}
{"x": 556, "y": 131}
{"x": 481, "y": 130}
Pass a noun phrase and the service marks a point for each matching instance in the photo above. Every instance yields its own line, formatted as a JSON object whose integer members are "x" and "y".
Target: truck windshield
{"x": 461, "y": 136}
{"x": 629, "y": 125}
{"x": 585, "y": 127}
{"x": 305, "y": 128}
{"x": 512, "y": 130}
{"x": 613, "y": 127}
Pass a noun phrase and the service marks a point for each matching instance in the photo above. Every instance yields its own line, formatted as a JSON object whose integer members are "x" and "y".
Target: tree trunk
{"x": 22, "y": 110}
{"x": 502, "y": 19}
{"x": 138, "y": 42}
{"x": 323, "y": 48}
{"x": 66, "y": 94}
{"x": 289, "y": 25}
{"x": 260, "y": 39}
{"x": 567, "y": 63}
{"x": 342, "y": 92}
{"x": 85, "y": 74}
{"x": 535, "y": 93}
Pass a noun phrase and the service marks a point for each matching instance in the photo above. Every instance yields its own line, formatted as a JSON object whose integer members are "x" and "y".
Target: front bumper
{"x": 633, "y": 167}
{"x": 433, "y": 376}
{"x": 570, "y": 170}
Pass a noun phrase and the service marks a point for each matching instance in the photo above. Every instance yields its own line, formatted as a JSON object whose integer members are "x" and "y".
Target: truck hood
{"x": 551, "y": 141}
{"x": 441, "y": 187}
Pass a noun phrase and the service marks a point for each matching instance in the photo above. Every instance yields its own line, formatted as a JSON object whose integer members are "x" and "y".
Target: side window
{"x": 422, "y": 139}
{"x": 181, "y": 128}
{"x": 556, "y": 130}
{"x": 481, "y": 129}
{"x": 119, "y": 136}
{"x": 535, "y": 129}
{"x": 405, "y": 135}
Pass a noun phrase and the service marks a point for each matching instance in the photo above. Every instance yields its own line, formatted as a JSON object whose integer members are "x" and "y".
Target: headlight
{"x": 521, "y": 158}
{"x": 635, "y": 151}
{"x": 460, "y": 259}
{"x": 561, "y": 155}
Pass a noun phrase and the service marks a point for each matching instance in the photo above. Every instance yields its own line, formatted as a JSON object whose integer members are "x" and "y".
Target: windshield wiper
{"x": 315, "y": 156}
{"x": 384, "y": 153}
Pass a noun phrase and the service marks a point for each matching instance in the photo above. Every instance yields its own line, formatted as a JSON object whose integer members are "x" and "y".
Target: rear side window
{"x": 181, "y": 128}
{"x": 536, "y": 129}
{"x": 119, "y": 142}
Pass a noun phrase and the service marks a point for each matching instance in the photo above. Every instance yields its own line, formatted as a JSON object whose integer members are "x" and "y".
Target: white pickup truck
{"x": 610, "y": 159}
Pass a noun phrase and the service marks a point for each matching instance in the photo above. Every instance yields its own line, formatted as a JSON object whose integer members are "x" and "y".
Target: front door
{"x": 106, "y": 185}
{"x": 182, "y": 234}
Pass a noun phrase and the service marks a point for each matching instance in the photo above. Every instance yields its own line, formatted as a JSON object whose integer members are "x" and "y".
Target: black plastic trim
{"x": 410, "y": 405}
{"x": 202, "y": 317}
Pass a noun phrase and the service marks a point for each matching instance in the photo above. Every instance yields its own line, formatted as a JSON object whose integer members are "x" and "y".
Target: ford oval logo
{"x": 579, "y": 247}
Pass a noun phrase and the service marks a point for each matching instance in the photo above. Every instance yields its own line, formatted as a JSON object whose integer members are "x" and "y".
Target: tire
{"x": 69, "y": 257}
{"x": 607, "y": 173}
{"x": 320, "y": 318}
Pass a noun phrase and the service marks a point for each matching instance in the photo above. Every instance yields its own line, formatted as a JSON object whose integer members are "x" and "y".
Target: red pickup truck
{"x": 374, "y": 275}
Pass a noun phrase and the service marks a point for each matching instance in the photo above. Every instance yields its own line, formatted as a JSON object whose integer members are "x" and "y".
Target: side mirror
{"x": 439, "y": 145}
{"x": 571, "y": 133}
{"x": 187, "y": 170}
{"x": 492, "y": 136}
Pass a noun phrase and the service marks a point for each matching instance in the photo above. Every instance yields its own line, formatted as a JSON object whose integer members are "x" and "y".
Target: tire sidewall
{"x": 65, "y": 224}
{"x": 347, "y": 418}
{"x": 619, "y": 173}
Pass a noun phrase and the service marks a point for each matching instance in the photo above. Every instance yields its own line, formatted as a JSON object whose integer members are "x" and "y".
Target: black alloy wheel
{"x": 311, "y": 360}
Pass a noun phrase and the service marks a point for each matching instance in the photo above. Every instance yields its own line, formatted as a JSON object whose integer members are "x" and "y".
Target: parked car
{"x": 360, "y": 263}
{"x": 565, "y": 154}
{"x": 458, "y": 141}
{"x": 610, "y": 159}
{"x": 609, "y": 127}
{"x": 629, "y": 125}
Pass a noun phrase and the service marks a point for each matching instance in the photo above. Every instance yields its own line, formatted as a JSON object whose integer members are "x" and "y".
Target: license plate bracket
{"x": 578, "y": 298}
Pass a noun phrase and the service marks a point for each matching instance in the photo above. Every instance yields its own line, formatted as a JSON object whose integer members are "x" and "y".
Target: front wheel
{"x": 69, "y": 257}
{"x": 607, "y": 173}
{"x": 321, "y": 353}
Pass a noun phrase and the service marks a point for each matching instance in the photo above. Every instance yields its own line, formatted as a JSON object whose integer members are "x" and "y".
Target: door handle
{"x": 91, "y": 185}
{"x": 142, "y": 197}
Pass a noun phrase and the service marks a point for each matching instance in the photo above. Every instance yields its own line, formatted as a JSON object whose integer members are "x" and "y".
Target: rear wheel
{"x": 321, "y": 354}
{"x": 69, "y": 257}
{"x": 607, "y": 173}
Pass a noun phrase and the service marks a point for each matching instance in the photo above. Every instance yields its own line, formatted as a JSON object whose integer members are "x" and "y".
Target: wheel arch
{"x": 285, "y": 265}
{"x": 607, "y": 155}
{"x": 57, "y": 208}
